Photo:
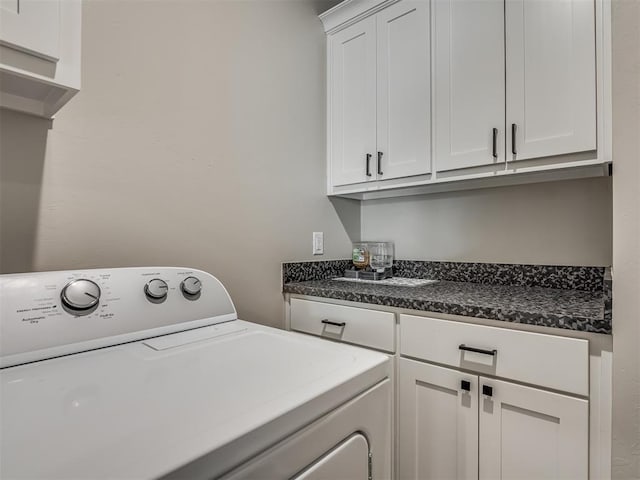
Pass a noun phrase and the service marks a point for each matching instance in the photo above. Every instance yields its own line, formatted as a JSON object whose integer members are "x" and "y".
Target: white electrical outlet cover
{"x": 318, "y": 243}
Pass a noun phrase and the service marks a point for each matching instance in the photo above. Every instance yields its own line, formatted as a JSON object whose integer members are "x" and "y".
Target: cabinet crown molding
{"x": 351, "y": 11}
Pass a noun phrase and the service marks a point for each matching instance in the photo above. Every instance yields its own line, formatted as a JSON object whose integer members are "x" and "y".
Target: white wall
{"x": 626, "y": 239}
{"x": 197, "y": 139}
{"x": 565, "y": 223}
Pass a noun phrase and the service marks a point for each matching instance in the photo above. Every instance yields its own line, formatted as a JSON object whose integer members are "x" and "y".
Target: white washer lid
{"x": 136, "y": 411}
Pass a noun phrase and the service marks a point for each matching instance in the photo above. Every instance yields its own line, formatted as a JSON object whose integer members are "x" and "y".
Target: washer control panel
{"x": 48, "y": 314}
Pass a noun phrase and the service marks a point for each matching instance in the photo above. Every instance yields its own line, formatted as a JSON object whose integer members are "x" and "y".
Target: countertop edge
{"x": 553, "y": 320}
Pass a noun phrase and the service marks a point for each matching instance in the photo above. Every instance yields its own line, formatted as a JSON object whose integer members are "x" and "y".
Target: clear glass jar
{"x": 380, "y": 255}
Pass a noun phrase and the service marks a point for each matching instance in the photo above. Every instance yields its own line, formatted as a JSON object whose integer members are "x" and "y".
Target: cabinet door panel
{"x": 353, "y": 102}
{"x": 551, "y": 77}
{"x": 438, "y": 437}
{"x": 31, "y": 25}
{"x": 469, "y": 86}
{"x": 527, "y": 433}
{"x": 404, "y": 105}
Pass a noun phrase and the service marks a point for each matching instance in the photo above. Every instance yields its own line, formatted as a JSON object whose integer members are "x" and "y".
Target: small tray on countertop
{"x": 392, "y": 281}
{"x": 368, "y": 274}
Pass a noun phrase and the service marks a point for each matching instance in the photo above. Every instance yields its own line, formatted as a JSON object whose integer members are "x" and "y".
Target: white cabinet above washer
{"x": 31, "y": 26}
{"x": 39, "y": 54}
{"x": 379, "y": 106}
{"x": 465, "y": 94}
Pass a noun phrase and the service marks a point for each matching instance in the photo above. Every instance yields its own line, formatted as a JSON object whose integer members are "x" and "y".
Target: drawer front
{"x": 550, "y": 361}
{"x": 369, "y": 328}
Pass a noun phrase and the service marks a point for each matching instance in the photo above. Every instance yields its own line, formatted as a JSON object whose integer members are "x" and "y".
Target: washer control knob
{"x": 156, "y": 289}
{"x": 191, "y": 286}
{"x": 80, "y": 295}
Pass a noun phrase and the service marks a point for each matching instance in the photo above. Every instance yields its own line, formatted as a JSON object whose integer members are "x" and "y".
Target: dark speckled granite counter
{"x": 586, "y": 308}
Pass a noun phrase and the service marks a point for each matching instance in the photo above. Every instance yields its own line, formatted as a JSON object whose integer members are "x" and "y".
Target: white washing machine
{"x": 148, "y": 373}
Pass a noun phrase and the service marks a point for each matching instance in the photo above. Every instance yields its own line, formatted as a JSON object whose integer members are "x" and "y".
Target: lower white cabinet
{"x": 458, "y": 421}
{"x": 438, "y": 422}
{"x": 475, "y": 401}
{"x": 526, "y": 432}
{"x": 456, "y": 425}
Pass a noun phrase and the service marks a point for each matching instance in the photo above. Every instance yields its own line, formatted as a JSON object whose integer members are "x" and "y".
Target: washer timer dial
{"x": 80, "y": 296}
{"x": 191, "y": 286}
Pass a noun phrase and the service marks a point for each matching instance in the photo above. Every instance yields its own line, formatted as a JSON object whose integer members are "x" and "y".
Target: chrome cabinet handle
{"x": 478, "y": 350}
{"x": 335, "y": 324}
{"x": 379, "y": 163}
{"x": 368, "y": 164}
{"x": 514, "y": 129}
{"x": 495, "y": 143}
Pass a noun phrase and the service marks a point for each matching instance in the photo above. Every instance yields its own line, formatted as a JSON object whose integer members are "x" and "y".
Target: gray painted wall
{"x": 626, "y": 240}
{"x": 566, "y": 223}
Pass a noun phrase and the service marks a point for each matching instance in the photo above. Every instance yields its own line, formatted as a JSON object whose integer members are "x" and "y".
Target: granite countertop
{"x": 571, "y": 309}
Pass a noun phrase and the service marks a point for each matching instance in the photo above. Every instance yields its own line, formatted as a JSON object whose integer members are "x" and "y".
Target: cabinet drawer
{"x": 550, "y": 361}
{"x": 369, "y": 328}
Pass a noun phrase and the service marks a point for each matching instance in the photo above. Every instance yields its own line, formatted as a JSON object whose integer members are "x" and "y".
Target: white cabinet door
{"x": 527, "y": 433}
{"x": 551, "y": 77}
{"x": 347, "y": 461}
{"x": 404, "y": 90}
{"x": 438, "y": 420}
{"x": 32, "y": 26}
{"x": 353, "y": 103}
{"x": 469, "y": 85}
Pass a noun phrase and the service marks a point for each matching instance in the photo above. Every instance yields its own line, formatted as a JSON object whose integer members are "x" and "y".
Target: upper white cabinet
{"x": 353, "y": 99}
{"x": 379, "y": 104}
{"x": 469, "y": 83}
{"x": 433, "y": 95}
{"x": 39, "y": 54}
{"x": 550, "y": 72}
{"x": 32, "y": 26}
{"x": 404, "y": 90}
{"x": 551, "y": 77}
